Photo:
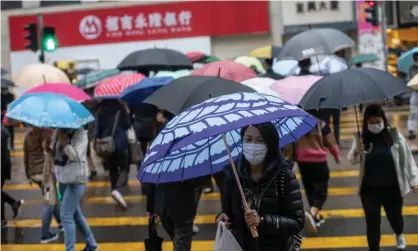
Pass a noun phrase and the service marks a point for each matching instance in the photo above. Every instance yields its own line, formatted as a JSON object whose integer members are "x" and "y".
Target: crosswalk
{"x": 119, "y": 230}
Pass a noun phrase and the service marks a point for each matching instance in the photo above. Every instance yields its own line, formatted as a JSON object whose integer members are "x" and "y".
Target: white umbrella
{"x": 261, "y": 85}
{"x": 36, "y": 74}
{"x": 413, "y": 83}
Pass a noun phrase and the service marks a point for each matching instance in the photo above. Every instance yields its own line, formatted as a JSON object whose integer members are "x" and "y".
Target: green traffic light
{"x": 50, "y": 43}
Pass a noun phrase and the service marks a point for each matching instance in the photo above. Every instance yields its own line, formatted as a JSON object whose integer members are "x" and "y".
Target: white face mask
{"x": 255, "y": 153}
{"x": 376, "y": 128}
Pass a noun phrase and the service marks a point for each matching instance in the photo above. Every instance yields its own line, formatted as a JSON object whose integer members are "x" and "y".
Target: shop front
{"x": 101, "y": 38}
{"x": 299, "y": 16}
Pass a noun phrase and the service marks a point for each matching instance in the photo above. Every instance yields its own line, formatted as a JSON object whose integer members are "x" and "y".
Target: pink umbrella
{"x": 114, "y": 86}
{"x": 70, "y": 91}
{"x": 292, "y": 89}
{"x": 226, "y": 69}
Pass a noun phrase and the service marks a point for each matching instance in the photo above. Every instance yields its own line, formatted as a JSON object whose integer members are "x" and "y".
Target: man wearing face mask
{"x": 388, "y": 173}
{"x": 413, "y": 112}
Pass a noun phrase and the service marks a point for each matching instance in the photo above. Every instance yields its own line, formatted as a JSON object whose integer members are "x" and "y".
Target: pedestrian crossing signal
{"x": 49, "y": 40}
{"x": 372, "y": 13}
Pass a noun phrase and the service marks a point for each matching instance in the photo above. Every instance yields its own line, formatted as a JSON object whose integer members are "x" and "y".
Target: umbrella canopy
{"x": 92, "y": 78}
{"x": 320, "y": 64}
{"x": 226, "y": 69}
{"x": 292, "y": 89}
{"x": 363, "y": 58}
{"x": 155, "y": 59}
{"x": 6, "y": 83}
{"x": 261, "y": 85}
{"x": 112, "y": 87}
{"x": 84, "y": 71}
{"x": 267, "y": 52}
{"x": 187, "y": 91}
{"x": 49, "y": 110}
{"x": 315, "y": 42}
{"x": 413, "y": 83}
{"x": 135, "y": 94}
{"x": 252, "y": 63}
{"x": 191, "y": 146}
{"x": 406, "y": 60}
{"x": 70, "y": 91}
{"x": 37, "y": 74}
{"x": 195, "y": 56}
{"x": 351, "y": 87}
{"x": 172, "y": 74}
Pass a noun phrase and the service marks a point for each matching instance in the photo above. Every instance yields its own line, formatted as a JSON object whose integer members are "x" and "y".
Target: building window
{"x": 55, "y": 3}
{"x": 8, "y": 5}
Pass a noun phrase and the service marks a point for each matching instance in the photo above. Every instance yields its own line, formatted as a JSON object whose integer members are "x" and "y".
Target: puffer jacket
{"x": 282, "y": 214}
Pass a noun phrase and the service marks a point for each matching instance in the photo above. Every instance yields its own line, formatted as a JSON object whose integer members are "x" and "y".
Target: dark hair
{"x": 375, "y": 110}
{"x": 304, "y": 63}
{"x": 271, "y": 137}
{"x": 415, "y": 55}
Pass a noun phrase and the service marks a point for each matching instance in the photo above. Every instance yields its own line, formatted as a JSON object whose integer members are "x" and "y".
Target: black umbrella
{"x": 352, "y": 87}
{"x": 187, "y": 91}
{"x": 5, "y": 83}
{"x": 153, "y": 242}
{"x": 155, "y": 60}
{"x": 315, "y": 42}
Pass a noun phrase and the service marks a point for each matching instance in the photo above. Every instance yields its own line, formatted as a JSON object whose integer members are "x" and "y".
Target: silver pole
{"x": 40, "y": 24}
{"x": 384, "y": 34}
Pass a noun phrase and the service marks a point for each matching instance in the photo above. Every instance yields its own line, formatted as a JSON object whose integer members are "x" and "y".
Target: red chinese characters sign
{"x": 148, "y": 22}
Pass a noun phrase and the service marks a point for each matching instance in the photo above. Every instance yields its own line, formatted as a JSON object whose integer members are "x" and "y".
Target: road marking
{"x": 200, "y": 219}
{"x": 360, "y": 241}
{"x": 134, "y": 183}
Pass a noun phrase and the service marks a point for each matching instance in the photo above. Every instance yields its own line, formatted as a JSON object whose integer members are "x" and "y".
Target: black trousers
{"x": 372, "y": 199}
{"x": 11, "y": 130}
{"x": 180, "y": 232}
{"x": 315, "y": 177}
{"x": 118, "y": 166}
{"x": 5, "y": 198}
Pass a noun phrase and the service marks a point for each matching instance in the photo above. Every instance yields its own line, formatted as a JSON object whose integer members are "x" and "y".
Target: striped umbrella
{"x": 112, "y": 87}
{"x": 91, "y": 79}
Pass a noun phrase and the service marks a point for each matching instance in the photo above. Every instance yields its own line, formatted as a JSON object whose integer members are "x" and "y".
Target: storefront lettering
{"x": 151, "y": 24}
{"x": 314, "y": 6}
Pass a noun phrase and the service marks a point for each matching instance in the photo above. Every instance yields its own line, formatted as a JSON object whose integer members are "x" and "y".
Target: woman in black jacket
{"x": 272, "y": 192}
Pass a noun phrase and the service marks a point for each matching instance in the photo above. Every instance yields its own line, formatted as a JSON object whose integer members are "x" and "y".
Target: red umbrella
{"x": 70, "y": 91}
{"x": 226, "y": 69}
{"x": 115, "y": 85}
{"x": 195, "y": 56}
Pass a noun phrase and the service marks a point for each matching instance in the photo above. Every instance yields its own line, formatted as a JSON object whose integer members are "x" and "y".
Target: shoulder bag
{"x": 106, "y": 146}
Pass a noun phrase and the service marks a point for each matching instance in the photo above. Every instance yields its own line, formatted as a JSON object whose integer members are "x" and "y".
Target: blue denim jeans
{"x": 47, "y": 213}
{"x": 71, "y": 216}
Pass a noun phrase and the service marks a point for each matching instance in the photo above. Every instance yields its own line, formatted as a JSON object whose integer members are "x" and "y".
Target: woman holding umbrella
{"x": 272, "y": 192}
{"x": 388, "y": 173}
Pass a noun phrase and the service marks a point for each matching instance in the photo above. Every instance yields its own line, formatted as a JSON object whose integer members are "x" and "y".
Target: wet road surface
{"x": 117, "y": 230}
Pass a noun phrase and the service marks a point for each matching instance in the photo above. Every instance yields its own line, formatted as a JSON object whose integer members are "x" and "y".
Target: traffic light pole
{"x": 384, "y": 34}
{"x": 40, "y": 24}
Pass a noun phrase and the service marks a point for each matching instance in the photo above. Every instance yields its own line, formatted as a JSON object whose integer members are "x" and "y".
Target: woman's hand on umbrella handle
{"x": 252, "y": 219}
{"x": 224, "y": 218}
{"x": 415, "y": 189}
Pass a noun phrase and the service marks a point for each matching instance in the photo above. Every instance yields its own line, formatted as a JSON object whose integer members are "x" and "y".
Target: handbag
{"x": 74, "y": 172}
{"x": 135, "y": 152}
{"x": 225, "y": 240}
{"x": 106, "y": 146}
{"x": 48, "y": 187}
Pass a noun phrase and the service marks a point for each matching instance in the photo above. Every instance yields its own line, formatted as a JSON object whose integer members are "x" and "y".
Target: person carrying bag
{"x": 106, "y": 146}
{"x": 225, "y": 240}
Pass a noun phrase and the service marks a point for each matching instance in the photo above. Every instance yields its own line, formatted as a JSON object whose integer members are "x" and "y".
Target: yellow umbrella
{"x": 262, "y": 52}
{"x": 413, "y": 83}
{"x": 251, "y": 62}
{"x": 37, "y": 74}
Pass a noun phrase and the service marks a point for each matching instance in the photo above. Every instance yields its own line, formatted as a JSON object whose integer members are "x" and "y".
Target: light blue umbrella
{"x": 49, "y": 110}
{"x": 406, "y": 60}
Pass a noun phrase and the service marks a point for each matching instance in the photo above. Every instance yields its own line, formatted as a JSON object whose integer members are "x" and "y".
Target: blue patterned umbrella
{"x": 191, "y": 145}
{"x": 49, "y": 110}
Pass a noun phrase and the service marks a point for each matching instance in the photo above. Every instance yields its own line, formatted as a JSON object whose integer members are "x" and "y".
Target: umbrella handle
{"x": 254, "y": 232}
